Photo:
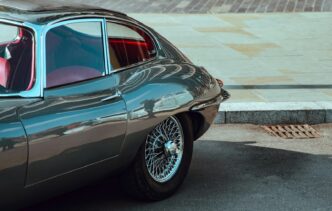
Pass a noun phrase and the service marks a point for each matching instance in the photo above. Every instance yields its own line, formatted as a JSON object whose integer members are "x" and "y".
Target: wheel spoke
{"x": 164, "y": 149}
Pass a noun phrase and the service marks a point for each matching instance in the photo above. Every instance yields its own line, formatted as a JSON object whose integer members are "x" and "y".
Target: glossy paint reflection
{"x": 158, "y": 90}
{"x": 70, "y": 131}
{"x": 13, "y": 151}
{"x": 164, "y": 86}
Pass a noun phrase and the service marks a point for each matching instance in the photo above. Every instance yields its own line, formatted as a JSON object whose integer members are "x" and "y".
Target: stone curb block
{"x": 275, "y": 113}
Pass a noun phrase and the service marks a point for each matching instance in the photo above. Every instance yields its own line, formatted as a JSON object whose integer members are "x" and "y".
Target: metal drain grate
{"x": 292, "y": 131}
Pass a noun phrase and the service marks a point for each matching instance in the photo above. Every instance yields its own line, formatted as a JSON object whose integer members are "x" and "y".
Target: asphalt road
{"x": 234, "y": 168}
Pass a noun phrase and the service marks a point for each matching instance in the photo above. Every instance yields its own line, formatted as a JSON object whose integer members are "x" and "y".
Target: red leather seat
{"x": 4, "y": 72}
{"x": 71, "y": 74}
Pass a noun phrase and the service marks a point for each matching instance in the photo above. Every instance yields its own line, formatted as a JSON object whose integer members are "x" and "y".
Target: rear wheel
{"x": 163, "y": 161}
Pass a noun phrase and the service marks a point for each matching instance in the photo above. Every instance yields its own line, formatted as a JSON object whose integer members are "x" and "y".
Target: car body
{"x": 77, "y": 102}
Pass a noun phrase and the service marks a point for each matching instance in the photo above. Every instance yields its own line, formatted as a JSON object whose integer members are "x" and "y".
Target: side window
{"x": 128, "y": 45}
{"x": 74, "y": 53}
{"x": 17, "y": 70}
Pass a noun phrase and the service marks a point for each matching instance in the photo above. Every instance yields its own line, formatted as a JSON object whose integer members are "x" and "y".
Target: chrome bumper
{"x": 222, "y": 97}
{"x": 225, "y": 95}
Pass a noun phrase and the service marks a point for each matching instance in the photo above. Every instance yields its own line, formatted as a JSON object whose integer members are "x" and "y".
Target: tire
{"x": 139, "y": 182}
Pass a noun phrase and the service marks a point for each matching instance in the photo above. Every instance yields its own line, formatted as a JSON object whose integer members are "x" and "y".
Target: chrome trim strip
{"x": 215, "y": 101}
{"x": 38, "y": 58}
{"x": 113, "y": 97}
{"x": 109, "y": 18}
{"x": 222, "y": 97}
{"x": 16, "y": 23}
{"x": 225, "y": 95}
{"x": 106, "y": 48}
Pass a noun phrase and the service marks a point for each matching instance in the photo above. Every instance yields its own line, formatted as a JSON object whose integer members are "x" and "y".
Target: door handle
{"x": 113, "y": 97}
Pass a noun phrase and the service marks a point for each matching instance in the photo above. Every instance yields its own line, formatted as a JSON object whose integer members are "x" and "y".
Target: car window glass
{"x": 74, "y": 53}
{"x": 87, "y": 28}
{"x": 17, "y": 71}
{"x": 128, "y": 45}
{"x": 8, "y": 33}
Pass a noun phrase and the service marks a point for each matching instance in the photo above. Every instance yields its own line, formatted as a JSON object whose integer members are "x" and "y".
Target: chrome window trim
{"x": 144, "y": 29}
{"x": 120, "y": 20}
{"x": 109, "y": 18}
{"x": 40, "y": 32}
{"x": 106, "y": 48}
{"x": 17, "y": 23}
{"x": 48, "y": 27}
{"x": 134, "y": 23}
{"x": 36, "y": 90}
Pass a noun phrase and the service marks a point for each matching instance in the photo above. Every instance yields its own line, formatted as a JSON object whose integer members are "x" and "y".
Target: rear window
{"x": 128, "y": 45}
{"x": 16, "y": 59}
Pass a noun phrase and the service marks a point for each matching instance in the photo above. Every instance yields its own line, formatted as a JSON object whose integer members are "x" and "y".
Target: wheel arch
{"x": 198, "y": 122}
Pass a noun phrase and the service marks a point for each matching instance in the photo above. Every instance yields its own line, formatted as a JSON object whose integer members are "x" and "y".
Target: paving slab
{"x": 279, "y": 49}
{"x": 277, "y": 65}
{"x": 269, "y": 54}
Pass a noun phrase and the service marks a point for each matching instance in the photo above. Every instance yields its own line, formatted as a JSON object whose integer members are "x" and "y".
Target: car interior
{"x": 72, "y": 56}
{"x": 125, "y": 51}
{"x": 17, "y": 62}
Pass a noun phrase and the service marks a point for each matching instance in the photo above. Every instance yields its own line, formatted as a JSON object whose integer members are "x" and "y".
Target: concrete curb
{"x": 275, "y": 113}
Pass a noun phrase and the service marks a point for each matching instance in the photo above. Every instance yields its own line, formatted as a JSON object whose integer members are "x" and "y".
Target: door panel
{"x": 13, "y": 152}
{"x": 74, "y": 127}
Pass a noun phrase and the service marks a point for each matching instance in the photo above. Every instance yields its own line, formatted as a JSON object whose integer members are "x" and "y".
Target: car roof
{"x": 39, "y": 12}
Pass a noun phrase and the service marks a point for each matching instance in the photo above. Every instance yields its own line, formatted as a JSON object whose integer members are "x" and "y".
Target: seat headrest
{"x": 4, "y": 72}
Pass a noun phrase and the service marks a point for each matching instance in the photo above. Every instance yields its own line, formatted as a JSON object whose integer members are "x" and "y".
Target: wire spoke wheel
{"x": 164, "y": 150}
{"x": 163, "y": 160}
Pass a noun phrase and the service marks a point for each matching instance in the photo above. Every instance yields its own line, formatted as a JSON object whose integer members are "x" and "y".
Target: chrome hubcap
{"x": 164, "y": 150}
{"x": 171, "y": 148}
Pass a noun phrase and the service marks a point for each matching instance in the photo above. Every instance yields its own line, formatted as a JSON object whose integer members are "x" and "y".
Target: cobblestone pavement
{"x": 212, "y": 6}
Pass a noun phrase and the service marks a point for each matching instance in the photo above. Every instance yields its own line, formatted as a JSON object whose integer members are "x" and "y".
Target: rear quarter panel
{"x": 157, "y": 90}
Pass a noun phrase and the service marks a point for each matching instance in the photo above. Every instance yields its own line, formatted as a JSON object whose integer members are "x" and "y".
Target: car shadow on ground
{"x": 224, "y": 176}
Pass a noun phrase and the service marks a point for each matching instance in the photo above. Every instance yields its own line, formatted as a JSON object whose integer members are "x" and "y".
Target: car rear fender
{"x": 157, "y": 91}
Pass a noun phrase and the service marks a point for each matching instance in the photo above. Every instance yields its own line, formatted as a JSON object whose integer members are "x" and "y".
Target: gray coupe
{"x": 88, "y": 92}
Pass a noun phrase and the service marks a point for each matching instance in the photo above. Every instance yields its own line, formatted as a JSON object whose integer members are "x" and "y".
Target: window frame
{"x": 73, "y": 21}
{"x": 40, "y": 31}
{"x": 140, "y": 27}
{"x": 36, "y": 90}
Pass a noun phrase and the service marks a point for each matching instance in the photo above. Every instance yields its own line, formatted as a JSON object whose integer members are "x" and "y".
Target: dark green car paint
{"x": 73, "y": 127}
{"x": 76, "y": 133}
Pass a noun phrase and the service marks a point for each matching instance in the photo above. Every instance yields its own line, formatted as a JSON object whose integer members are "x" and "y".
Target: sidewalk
{"x": 275, "y": 56}
{"x": 269, "y": 62}
{"x": 211, "y": 6}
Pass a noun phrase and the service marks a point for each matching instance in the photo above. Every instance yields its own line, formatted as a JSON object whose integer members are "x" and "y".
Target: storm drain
{"x": 292, "y": 131}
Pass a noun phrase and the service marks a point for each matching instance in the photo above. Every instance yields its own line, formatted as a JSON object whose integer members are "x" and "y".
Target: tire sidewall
{"x": 163, "y": 190}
